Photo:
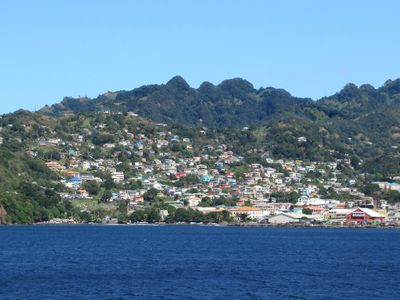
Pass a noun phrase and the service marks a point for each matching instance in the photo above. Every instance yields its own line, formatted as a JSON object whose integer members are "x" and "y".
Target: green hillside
{"x": 27, "y": 190}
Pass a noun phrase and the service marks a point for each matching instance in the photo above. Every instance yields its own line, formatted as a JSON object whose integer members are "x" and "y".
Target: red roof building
{"x": 364, "y": 216}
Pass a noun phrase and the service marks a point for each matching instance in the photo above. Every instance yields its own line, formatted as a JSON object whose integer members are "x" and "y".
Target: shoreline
{"x": 217, "y": 225}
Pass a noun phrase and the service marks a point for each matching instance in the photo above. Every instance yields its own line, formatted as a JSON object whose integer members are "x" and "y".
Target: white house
{"x": 117, "y": 176}
{"x": 254, "y": 213}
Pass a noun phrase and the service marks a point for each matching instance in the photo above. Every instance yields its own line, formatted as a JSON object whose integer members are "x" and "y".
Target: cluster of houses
{"x": 220, "y": 174}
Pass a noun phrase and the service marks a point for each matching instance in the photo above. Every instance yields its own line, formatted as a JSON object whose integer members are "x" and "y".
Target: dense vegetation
{"x": 28, "y": 190}
{"x": 234, "y": 102}
{"x": 237, "y": 103}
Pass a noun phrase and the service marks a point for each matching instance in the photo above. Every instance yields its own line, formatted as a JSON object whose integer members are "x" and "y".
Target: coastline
{"x": 250, "y": 225}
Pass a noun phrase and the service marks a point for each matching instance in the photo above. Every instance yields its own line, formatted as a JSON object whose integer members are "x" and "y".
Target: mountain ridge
{"x": 233, "y": 102}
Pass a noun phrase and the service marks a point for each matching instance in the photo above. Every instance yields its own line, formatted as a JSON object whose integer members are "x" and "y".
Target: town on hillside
{"x": 119, "y": 168}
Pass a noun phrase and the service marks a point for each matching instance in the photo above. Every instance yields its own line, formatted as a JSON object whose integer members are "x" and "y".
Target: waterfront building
{"x": 364, "y": 216}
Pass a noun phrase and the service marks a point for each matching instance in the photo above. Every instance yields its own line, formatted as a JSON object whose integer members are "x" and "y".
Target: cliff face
{"x": 3, "y": 214}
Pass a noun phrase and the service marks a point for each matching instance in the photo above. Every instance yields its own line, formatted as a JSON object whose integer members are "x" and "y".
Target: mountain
{"x": 233, "y": 102}
{"x": 353, "y": 101}
{"x": 357, "y": 130}
{"x": 363, "y": 118}
{"x": 364, "y": 112}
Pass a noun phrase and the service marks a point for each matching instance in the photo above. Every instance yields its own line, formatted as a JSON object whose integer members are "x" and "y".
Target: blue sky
{"x": 51, "y": 49}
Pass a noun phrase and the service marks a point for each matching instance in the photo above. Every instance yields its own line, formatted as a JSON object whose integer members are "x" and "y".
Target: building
{"x": 74, "y": 182}
{"x": 82, "y": 193}
{"x": 364, "y": 216}
{"x": 282, "y": 219}
{"x": 193, "y": 200}
{"x": 317, "y": 211}
{"x": 54, "y": 165}
{"x": 388, "y": 186}
{"x": 118, "y": 176}
{"x": 253, "y": 213}
{"x": 305, "y": 200}
{"x": 337, "y": 215}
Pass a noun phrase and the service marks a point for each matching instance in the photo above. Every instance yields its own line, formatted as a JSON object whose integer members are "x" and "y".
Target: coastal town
{"x": 142, "y": 166}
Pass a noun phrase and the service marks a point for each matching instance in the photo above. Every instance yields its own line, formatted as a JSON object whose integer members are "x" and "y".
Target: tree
{"x": 293, "y": 197}
{"x": 188, "y": 180}
{"x": 153, "y": 215}
{"x": 138, "y": 216}
{"x": 392, "y": 196}
{"x": 181, "y": 215}
{"x": 150, "y": 215}
{"x": 370, "y": 189}
{"x": 106, "y": 196}
{"x": 103, "y": 138}
{"x": 150, "y": 195}
{"x": 92, "y": 187}
{"x": 206, "y": 201}
{"x": 307, "y": 211}
{"x": 135, "y": 185}
{"x": 99, "y": 213}
{"x": 248, "y": 203}
{"x": 122, "y": 212}
{"x": 86, "y": 217}
{"x": 283, "y": 197}
{"x": 243, "y": 217}
{"x": 108, "y": 182}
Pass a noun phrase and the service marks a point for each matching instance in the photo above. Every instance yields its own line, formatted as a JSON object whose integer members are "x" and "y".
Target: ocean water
{"x": 194, "y": 262}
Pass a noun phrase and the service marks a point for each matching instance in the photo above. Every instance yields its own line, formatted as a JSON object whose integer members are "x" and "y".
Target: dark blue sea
{"x": 194, "y": 262}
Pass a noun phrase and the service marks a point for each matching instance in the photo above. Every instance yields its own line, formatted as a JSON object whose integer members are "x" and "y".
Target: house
{"x": 206, "y": 178}
{"x": 134, "y": 200}
{"x": 193, "y": 200}
{"x": 117, "y": 176}
{"x": 254, "y": 213}
{"x": 73, "y": 173}
{"x": 82, "y": 193}
{"x": 302, "y": 139}
{"x": 317, "y": 211}
{"x": 207, "y": 210}
{"x": 304, "y": 201}
{"x": 74, "y": 182}
{"x": 279, "y": 206}
{"x": 180, "y": 174}
{"x": 230, "y": 174}
{"x": 53, "y": 165}
{"x": 364, "y": 216}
